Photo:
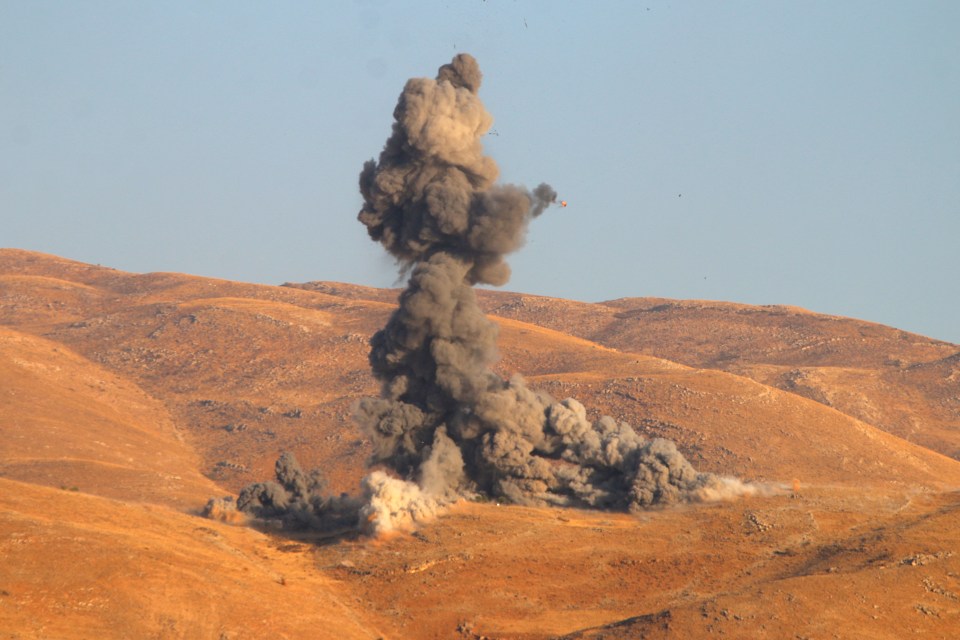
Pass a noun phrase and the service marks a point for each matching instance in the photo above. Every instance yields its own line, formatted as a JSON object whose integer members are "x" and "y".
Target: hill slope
{"x": 70, "y": 423}
{"x": 875, "y": 373}
{"x": 81, "y": 566}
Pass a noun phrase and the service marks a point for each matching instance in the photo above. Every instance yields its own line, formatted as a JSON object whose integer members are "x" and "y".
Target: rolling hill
{"x": 129, "y": 399}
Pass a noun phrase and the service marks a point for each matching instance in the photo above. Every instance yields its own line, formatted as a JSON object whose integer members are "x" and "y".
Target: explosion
{"x": 445, "y": 424}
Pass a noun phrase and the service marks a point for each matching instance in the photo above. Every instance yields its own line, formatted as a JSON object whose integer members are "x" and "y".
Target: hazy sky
{"x": 803, "y": 153}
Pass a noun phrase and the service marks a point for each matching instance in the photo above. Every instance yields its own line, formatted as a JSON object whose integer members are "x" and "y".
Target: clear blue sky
{"x": 803, "y": 153}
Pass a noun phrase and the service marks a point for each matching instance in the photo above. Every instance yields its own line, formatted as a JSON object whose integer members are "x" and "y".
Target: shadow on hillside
{"x": 296, "y": 538}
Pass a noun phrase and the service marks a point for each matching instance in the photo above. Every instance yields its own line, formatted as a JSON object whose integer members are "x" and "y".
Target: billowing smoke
{"x": 445, "y": 424}
{"x": 297, "y": 499}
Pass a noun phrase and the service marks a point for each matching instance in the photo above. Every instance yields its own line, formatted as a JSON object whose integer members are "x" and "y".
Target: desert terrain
{"x": 128, "y": 400}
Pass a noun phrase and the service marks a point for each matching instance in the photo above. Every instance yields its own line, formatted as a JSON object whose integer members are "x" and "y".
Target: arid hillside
{"x": 903, "y": 383}
{"x": 129, "y": 399}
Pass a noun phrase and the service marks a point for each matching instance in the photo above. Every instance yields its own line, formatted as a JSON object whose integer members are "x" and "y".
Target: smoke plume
{"x": 445, "y": 424}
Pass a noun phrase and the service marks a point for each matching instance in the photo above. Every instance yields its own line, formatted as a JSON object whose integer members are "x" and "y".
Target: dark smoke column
{"x": 445, "y": 423}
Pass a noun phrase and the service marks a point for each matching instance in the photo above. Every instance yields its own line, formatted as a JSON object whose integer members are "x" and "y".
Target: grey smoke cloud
{"x": 445, "y": 424}
{"x": 298, "y": 499}
{"x": 432, "y": 202}
{"x": 432, "y": 189}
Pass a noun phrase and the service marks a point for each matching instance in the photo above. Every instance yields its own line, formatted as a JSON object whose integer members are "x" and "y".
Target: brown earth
{"x": 127, "y": 400}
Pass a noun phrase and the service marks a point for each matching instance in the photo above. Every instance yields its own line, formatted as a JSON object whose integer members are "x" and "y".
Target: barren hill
{"x": 128, "y": 399}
